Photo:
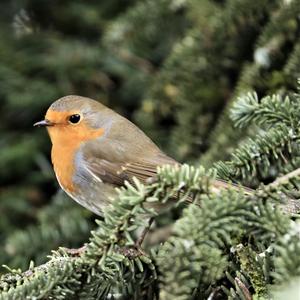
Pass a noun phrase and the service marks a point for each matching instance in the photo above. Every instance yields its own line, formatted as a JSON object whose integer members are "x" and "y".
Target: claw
{"x": 75, "y": 251}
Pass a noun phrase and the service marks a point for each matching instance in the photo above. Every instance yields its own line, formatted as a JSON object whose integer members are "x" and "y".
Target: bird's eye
{"x": 74, "y": 119}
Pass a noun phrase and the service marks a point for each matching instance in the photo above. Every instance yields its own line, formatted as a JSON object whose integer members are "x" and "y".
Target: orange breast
{"x": 66, "y": 140}
{"x": 63, "y": 163}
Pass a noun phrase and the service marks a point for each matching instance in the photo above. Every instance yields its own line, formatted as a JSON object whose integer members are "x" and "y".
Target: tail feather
{"x": 222, "y": 184}
{"x": 219, "y": 185}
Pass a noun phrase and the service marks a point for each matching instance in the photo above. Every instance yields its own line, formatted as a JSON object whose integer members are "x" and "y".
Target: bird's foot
{"x": 132, "y": 252}
{"x": 136, "y": 250}
{"x": 74, "y": 251}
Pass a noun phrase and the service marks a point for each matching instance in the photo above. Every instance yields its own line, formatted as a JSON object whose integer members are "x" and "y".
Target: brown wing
{"x": 117, "y": 173}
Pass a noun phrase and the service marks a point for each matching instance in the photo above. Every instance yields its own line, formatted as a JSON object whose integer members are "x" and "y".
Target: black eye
{"x": 74, "y": 118}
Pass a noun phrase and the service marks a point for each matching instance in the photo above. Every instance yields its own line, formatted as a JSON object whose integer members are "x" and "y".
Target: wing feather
{"x": 117, "y": 173}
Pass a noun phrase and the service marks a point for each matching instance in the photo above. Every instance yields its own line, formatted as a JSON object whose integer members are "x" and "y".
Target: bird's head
{"x": 75, "y": 119}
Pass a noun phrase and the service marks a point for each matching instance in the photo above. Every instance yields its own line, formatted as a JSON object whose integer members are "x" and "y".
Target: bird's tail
{"x": 219, "y": 184}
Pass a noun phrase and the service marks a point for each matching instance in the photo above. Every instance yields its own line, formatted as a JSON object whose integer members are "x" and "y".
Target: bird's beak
{"x": 43, "y": 123}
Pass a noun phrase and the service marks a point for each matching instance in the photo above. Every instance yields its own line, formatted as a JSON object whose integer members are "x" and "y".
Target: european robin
{"x": 94, "y": 150}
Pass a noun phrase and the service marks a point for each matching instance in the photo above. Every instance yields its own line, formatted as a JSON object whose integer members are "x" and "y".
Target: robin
{"x": 95, "y": 150}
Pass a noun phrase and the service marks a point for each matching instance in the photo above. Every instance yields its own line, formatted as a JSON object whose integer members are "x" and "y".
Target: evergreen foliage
{"x": 213, "y": 82}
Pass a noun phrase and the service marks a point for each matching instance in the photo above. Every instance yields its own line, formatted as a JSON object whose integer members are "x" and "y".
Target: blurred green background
{"x": 171, "y": 66}
{"x": 106, "y": 50}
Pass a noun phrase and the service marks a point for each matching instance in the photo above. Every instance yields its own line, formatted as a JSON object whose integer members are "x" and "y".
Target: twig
{"x": 284, "y": 179}
{"x": 292, "y": 206}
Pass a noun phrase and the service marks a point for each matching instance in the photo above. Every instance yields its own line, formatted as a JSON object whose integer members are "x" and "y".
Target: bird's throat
{"x": 63, "y": 164}
{"x": 65, "y": 144}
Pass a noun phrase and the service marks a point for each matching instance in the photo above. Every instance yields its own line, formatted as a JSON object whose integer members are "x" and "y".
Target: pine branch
{"x": 287, "y": 250}
{"x": 45, "y": 281}
{"x": 200, "y": 237}
{"x": 286, "y": 179}
{"x": 258, "y": 75}
{"x": 272, "y": 110}
{"x": 104, "y": 267}
{"x": 254, "y": 158}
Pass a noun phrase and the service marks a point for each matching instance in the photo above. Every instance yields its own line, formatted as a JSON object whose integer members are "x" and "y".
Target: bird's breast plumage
{"x": 65, "y": 144}
{"x": 63, "y": 164}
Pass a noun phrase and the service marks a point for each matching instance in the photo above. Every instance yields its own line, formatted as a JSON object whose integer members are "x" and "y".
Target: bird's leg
{"x": 136, "y": 250}
{"x": 139, "y": 241}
